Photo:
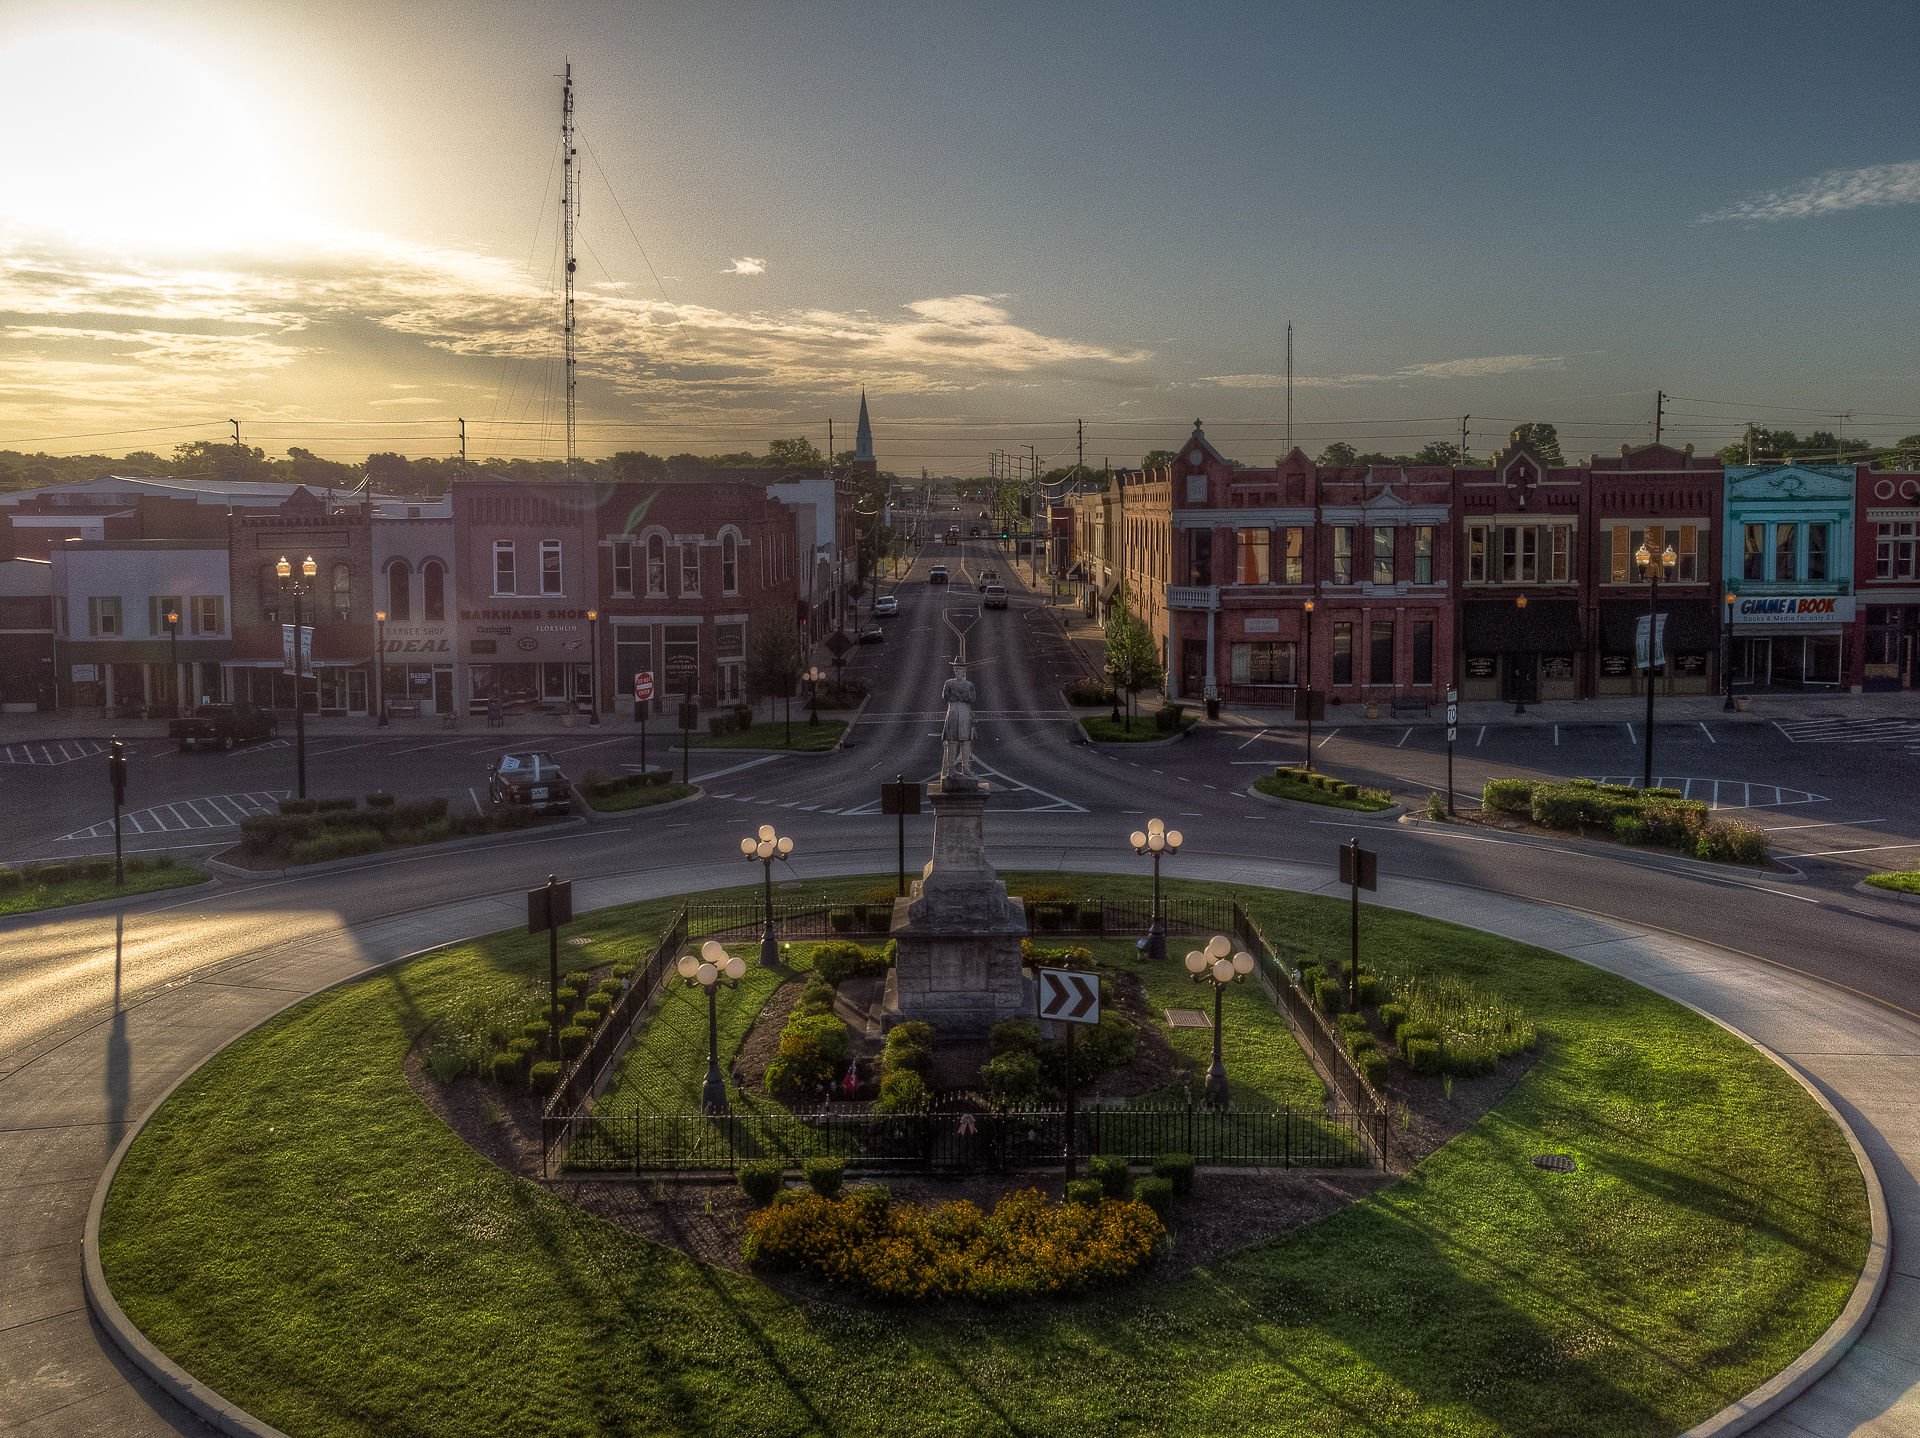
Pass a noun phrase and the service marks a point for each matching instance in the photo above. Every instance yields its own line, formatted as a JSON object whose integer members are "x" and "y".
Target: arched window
{"x": 433, "y": 584}
{"x": 399, "y": 590}
{"x": 342, "y": 590}
{"x": 656, "y": 564}
{"x": 729, "y": 563}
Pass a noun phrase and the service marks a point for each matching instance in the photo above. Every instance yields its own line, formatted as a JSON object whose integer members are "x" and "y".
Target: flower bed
{"x": 1630, "y": 815}
{"x": 1308, "y": 787}
{"x": 1025, "y": 1248}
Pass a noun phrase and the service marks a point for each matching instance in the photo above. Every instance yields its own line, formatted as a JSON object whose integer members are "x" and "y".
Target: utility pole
{"x": 1659, "y": 413}
{"x": 1080, "y": 446}
{"x": 1289, "y": 389}
{"x": 1463, "y": 439}
{"x": 463, "y": 442}
{"x": 569, "y": 212}
{"x": 1751, "y": 427}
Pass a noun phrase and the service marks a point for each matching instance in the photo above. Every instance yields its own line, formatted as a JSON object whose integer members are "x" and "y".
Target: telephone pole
{"x": 1289, "y": 389}
{"x": 463, "y": 442}
{"x": 1659, "y": 413}
{"x": 1080, "y": 446}
{"x": 569, "y": 212}
{"x": 1463, "y": 439}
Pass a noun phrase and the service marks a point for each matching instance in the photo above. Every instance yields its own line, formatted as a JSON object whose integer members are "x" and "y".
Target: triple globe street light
{"x": 1653, "y": 568}
{"x": 766, "y": 846}
{"x": 1219, "y": 965}
{"x": 712, "y": 969}
{"x": 299, "y": 589}
{"x": 1156, "y": 839}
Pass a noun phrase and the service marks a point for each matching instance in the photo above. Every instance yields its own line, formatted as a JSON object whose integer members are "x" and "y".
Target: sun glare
{"x": 120, "y": 141}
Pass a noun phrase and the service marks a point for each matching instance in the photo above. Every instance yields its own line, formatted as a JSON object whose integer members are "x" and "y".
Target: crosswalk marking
{"x": 1722, "y": 793}
{"x": 64, "y": 751}
{"x": 216, "y": 811}
{"x": 1851, "y": 731}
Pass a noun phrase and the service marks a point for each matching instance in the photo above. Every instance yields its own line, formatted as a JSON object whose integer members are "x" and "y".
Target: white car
{"x": 886, "y": 604}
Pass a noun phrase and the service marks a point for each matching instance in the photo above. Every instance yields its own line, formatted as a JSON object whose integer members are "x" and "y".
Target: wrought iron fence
{"x": 588, "y": 1073}
{"x": 962, "y": 1142}
{"x": 803, "y": 922}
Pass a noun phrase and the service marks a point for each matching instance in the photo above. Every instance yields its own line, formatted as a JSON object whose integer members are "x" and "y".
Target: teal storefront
{"x": 1788, "y": 559}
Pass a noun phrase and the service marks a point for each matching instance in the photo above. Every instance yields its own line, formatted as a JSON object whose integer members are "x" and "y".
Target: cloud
{"x": 1473, "y": 367}
{"x": 746, "y": 265}
{"x": 1870, "y": 187}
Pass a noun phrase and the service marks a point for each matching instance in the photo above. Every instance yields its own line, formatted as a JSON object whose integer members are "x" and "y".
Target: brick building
{"x": 338, "y": 606}
{"x": 1886, "y": 579}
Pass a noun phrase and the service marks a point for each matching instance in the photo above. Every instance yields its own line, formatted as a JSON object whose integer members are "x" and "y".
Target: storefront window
{"x": 632, "y": 654}
{"x": 1263, "y": 662}
{"x": 1252, "y": 564}
{"x": 681, "y": 641}
{"x": 509, "y": 683}
{"x": 1423, "y": 651}
{"x": 1380, "y": 665}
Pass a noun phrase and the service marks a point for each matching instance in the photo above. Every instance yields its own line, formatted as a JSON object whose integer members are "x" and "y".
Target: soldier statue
{"x": 956, "y": 733}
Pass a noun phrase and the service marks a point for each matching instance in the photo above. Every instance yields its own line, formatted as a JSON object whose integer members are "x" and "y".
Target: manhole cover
{"x": 1558, "y": 1162}
{"x": 579, "y": 941}
{"x": 1188, "y": 1019}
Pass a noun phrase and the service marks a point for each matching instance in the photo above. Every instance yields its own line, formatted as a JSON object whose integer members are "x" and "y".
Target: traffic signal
{"x": 117, "y": 769}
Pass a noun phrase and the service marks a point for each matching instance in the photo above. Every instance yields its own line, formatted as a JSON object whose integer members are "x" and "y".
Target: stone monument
{"x": 957, "y": 933}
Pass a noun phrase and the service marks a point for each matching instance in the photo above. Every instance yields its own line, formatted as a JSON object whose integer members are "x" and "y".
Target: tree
{"x": 1338, "y": 455}
{"x": 637, "y": 466}
{"x": 1905, "y": 453}
{"x": 775, "y": 658}
{"x": 205, "y": 458}
{"x": 1441, "y": 451}
{"x": 1156, "y": 458}
{"x": 1133, "y": 663}
{"x": 796, "y": 453}
{"x": 1542, "y": 438}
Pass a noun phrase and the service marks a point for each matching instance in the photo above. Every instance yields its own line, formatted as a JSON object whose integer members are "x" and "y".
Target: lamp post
{"x": 1654, "y": 567}
{"x": 299, "y": 589}
{"x": 1218, "y": 965}
{"x": 766, "y": 846}
{"x": 173, "y": 659}
{"x": 1306, "y": 765}
{"x": 380, "y": 664}
{"x": 593, "y": 670}
{"x": 813, "y": 676}
{"x": 712, "y": 970}
{"x": 1156, "y": 839}
{"x": 1519, "y": 681}
{"x": 1726, "y": 653}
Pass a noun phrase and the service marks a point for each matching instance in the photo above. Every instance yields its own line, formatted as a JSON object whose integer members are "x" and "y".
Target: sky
{"x": 337, "y": 221}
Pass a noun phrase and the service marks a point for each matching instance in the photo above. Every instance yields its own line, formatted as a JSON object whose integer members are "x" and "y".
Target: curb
{"x": 372, "y": 861}
{"x": 1740, "y": 1416}
{"x": 1863, "y": 887}
{"x": 590, "y": 815}
{"x": 1393, "y": 813}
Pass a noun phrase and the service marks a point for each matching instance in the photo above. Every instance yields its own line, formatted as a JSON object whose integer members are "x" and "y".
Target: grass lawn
{"x": 300, "y": 1232}
{"x": 144, "y": 876}
{"x": 1904, "y": 881}
{"x": 643, "y": 796}
{"x": 1105, "y": 729}
{"x": 1288, "y": 784}
{"x": 807, "y": 738}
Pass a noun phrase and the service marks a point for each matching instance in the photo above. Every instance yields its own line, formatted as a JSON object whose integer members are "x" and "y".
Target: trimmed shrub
{"x": 378, "y": 800}
{"x": 299, "y": 806}
{"x": 1167, "y": 718}
{"x": 816, "y": 997}
{"x": 1619, "y": 791}
{"x": 825, "y": 1175}
{"x": 506, "y": 1068}
{"x": 1356, "y": 1042}
{"x": 761, "y": 1179}
{"x": 596, "y": 1006}
{"x": 573, "y": 1040}
{"x": 335, "y": 806}
{"x": 799, "y": 1082}
{"x": 1675, "y": 823}
{"x": 1629, "y": 828}
{"x": 1392, "y": 1015}
{"x": 902, "y": 1092}
{"x": 1156, "y": 1194}
{"x": 1437, "y": 806}
{"x": 1423, "y": 1055}
{"x": 535, "y": 1030}
{"x": 1351, "y": 1023}
{"x": 1014, "y": 1036}
{"x": 1373, "y": 1067}
{"x": 840, "y": 960}
{"x": 1177, "y": 1170}
{"x": 1660, "y": 791}
{"x": 1109, "y": 1170}
{"x": 1507, "y": 796}
{"x": 1413, "y": 1030}
{"x": 1374, "y": 990}
{"x": 523, "y": 1047}
{"x": 1732, "y": 840}
{"x": 544, "y": 1077}
{"x": 815, "y": 1035}
{"x": 1088, "y": 692}
{"x": 1583, "y": 783}
{"x": 1326, "y": 994}
{"x": 337, "y": 844}
{"x": 1012, "y": 1079}
{"x": 1086, "y": 1191}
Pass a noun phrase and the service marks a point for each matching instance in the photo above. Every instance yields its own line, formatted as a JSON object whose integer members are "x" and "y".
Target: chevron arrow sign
{"x": 1070, "y": 995}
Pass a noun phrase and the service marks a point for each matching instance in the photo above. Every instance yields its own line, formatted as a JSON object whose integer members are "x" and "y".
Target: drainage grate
{"x": 1188, "y": 1019}
{"x": 1557, "y": 1162}
{"x": 579, "y": 941}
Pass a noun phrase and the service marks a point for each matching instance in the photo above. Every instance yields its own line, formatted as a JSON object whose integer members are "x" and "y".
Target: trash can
{"x": 1213, "y": 709}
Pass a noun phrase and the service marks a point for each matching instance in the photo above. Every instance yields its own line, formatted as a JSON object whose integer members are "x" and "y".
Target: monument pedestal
{"x": 957, "y": 934}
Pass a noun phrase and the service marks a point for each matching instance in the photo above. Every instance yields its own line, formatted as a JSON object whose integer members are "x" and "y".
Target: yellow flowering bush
{"x": 1025, "y": 1248}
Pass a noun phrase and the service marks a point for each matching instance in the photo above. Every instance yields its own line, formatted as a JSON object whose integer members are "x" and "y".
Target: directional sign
{"x": 1369, "y": 874}
{"x": 549, "y": 906}
{"x": 838, "y": 643}
{"x": 1452, "y": 733}
{"x": 1453, "y": 712}
{"x": 1070, "y": 995}
{"x": 901, "y": 798}
{"x": 642, "y": 685}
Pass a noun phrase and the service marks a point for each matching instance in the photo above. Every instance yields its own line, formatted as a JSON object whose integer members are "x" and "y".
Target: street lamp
{"x": 593, "y": 672}
{"x": 813, "y": 676}
{"x": 173, "y": 659}
{"x": 1726, "y": 653}
{"x": 766, "y": 846}
{"x": 1306, "y": 765}
{"x": 712, "y": 970}
{"x": 380, "y": 664}
{"x": 1654, "y": 567}
{"x": 299, "y": 589}
{"x": 1156, "y": 839}
{"x": 1519, "y": 679}
{"x": 1218, "y": 965}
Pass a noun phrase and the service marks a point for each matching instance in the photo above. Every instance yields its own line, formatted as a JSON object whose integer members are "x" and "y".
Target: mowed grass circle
{"x": 298, "y": 1231}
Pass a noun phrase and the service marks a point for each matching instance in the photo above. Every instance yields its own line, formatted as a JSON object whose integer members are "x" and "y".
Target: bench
{"x": 409, "y": 707}
{"x": 1409, "y": 705}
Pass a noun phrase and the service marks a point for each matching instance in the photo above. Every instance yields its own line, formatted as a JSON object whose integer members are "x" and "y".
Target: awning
{"x": 1692, "y": 624}
{"x": 1545, "y": 626}
{"x": 1108, "y": 585}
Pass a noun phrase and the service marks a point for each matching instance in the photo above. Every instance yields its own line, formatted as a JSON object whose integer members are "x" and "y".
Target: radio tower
{"x": 569, "y": 212}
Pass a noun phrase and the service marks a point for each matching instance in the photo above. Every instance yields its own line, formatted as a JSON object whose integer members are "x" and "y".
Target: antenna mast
{"x": 1289, "y": 389}
{"x": 569, "y": 212}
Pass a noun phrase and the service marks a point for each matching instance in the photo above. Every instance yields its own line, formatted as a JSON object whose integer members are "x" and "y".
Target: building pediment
{"x": 1788, "y": 482}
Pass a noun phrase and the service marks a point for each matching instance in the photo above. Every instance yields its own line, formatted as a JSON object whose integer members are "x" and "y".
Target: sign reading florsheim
{"x": 1070, "y": 995}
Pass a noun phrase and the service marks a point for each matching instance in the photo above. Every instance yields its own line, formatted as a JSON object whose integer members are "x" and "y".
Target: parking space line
{"x": 173, "y": 810}
{"x": 1480, "y": 736}
{"x": 1870, "y": 849}
{"x": 1328, "y": 740}
{"x": 1406, "y": 736}
{"x": 1708, "y": 732}
{"x": 1630, "y": 738}
{"x": 1822, "y": 824}
{"x": 1256, "y": 734}
{"x": 1686, "y": 789}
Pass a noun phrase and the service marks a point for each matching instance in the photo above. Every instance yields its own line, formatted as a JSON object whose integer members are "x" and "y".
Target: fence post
{"x": 1288, "y": 1163}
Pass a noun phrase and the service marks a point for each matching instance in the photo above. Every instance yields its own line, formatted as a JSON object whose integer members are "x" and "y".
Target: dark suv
{"x": 530, "y": 780}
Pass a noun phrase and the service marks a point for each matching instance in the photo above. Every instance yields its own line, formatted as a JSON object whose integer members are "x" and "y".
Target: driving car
{"x": 886, "y": 604}
{"x": 937, "y": 574}
{"x": 872, "y": 634}
{"x": 532, "y": 779}
{"x": 989, "y": 574}
{"x": 994, "y": 596}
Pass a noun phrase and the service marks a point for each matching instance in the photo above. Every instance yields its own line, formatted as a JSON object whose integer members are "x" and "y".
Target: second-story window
{"x": 433, "y": 585}
{"x": 689, "y": 566}
{"x": 1816, "y": 551}
{"x": 729, "y": 564}
{"x": 503, "y": 579}
{"x": 1254, "y": 565}
{"x": 399, "y": 595}
{"x": 1786, "y": 547}
{"x": 656, "y": 565}
{"x": 1753, "y": 555}
{"x": 1423, "y": 554}
{"x": 623, "y": 567}
{"x": 1343, "y": 554}
{"x": 1476, "y": 554}
{"x": 1383, "y": 554}
{"x": 208, "y": 617}
{"x": 342, "y": 591}
{"x": 1199, "y": 557}
{"x": 103, "y": 614}
{"x": 551, "y": 579}
{"x": 1296, "y": 571}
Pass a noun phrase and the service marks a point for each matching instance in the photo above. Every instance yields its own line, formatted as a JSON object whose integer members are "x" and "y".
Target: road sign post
{"x": 686, "y": 669}
{"x": 548, "y": 908}
{"x": 117, "y": 772}
{"x": 1359, "y": 869}
{"x": 1453, "y": 715}
{"x": 1072, "y": 997}
{"x": 900, "y": 798}
{"x": 642, "y": 700}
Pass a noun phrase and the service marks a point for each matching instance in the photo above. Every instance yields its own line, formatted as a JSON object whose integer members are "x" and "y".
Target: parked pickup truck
{"x": 221, "y": 726}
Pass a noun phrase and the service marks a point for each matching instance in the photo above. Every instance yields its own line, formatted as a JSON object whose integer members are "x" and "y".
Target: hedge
{"x": 1634, "y": 816}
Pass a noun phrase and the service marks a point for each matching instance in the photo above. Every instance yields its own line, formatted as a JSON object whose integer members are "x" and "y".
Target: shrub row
{"x": 581, "y": 1005}
{"x": 814, "y": 1046}
{"x": 1026, "y": 1247}
{"x": 906, "y": 1068}
{"x": 598, "y": 786}
{"x": 1088, "y": 692}
{"x": 841, "y": 959}
{"x": 736, "y": 720}
{"x": 1326, "y": 783}
{"x": 317, "y": 829}
{"x": 1634, "y": 816}
{"x": 74, "y": 871}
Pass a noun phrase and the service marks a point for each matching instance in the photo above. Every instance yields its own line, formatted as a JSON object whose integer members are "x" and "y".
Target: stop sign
{"x": 642, "y": 685}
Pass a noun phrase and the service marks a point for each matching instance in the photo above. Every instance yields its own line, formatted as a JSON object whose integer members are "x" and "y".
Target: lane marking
{"x": 1706, "y": 731}
{"x": 1821, "y": 824}
{"x": 1630, "y": 738}
{"x": 1321, "y": 745}
{"x": 1871, "y": 849}
{"x": 1256, "y": 734}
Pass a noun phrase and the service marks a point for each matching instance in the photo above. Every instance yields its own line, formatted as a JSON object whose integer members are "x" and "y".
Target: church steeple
{"x": 863, "y": 435}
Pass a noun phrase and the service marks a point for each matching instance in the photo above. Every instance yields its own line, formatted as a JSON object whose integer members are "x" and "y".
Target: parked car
{"x": 937, "y": 574}
{"x": 872, "y": 634}
{"x": 221, "y": 726}
{"x": 532, "y": 779}
{"x": 995, "y": 598}
{"x": 885, "y": 605}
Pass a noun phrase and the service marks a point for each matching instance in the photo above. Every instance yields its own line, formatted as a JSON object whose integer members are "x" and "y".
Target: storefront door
{"x": 1193, "y": 668}
{"x": 443, "y": 691}
{"x": 1520, "y": 678}
{"x": 1753, "y": 662}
